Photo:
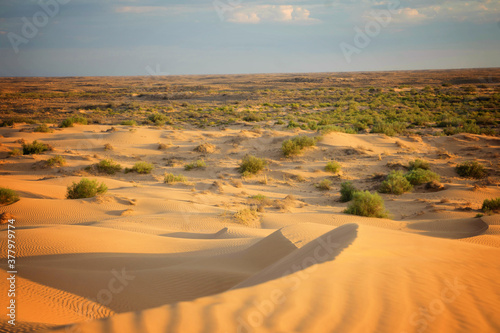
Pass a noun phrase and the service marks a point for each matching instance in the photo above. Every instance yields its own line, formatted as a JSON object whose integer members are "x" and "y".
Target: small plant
{"x": 259, "y": 197}
{"x": 128, "y": 123}
{"x": 141, "y": 167}
{"x": 56, "y": 160}
{"x": 85, "y": 189}
{"x": 108, "y": 166}
{"x": 367, "y": 204}
{"x": 491, "y": 205}
{"x": 35, "y": 148}
{"x": 8, "y": 196}
{"x": 108, "y": 146}
{"x": 421, "y": 176}
{"x": 471, "y": 169}
{"x": 15, "y": 152}
{"x": 162, "y": 146}
{"x": 395, "y": 183}
{"x": 324, "y": 185}
{"x": 419, "y": 164}
{"x": 295, "y": 145}
{"x": 158, "y": 119}
{"x": 43, "y": 128}
{"x": 69, "y": 122}
{"x": 206, "y": 148}
{"x": 347, "y": 191}
{"x": 170, "y": 178}
{"x": 198, "y": 164}
{"x": 251, "y": 165}
{"x": 247, "y": 216}
{"x": 333, "y": 167}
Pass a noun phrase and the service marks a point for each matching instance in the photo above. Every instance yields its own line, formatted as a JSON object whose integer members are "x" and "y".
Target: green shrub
{"x": 35, "y": 148}
{"x": 295, "y": 145}
{"x": 471, "y": 169}
{"x": 128, "y": 123}
{"x": 389, "y": 129}
{"x": 333, "y": 167}
{"x": 59, "y": 160}
{"x": 490, "y": 205}
{"x": 421, "y": 176}
{"x": 347, "y": 191}
{"x": 8, "y": 196}
{"x": 69, "y": 122}
{"x": 43, "y": 128}
{"x": 158, "y": 118}
{"x": 247, "y": 216}
{"x": 324, "y": 185}
{"x": 108, "y": 166}
{"x": 367, "y": 204}
{"x": 419, "y": 164}
{"x": 395, "y": 183}
{"x": 198, "y": 164}
{"x": 7, "y": 122}
{"x": 251, "y": 165}
{"x": 141, "y": 167}
{"x": 85, "y": 189}
{"x": 15, "y": 152}
{"x": 170, "y": 178}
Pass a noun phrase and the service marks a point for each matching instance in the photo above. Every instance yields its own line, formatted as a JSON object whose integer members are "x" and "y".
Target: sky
{"x": 173, "y": 37}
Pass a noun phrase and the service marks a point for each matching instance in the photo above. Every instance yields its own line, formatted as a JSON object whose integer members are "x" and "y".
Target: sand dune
{"x": 155, "y": 257}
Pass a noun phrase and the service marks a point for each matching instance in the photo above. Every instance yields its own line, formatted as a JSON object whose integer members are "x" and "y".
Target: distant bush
{"x": 43, "y": 128}
{"x": 247, "y": 216}
{"x": 421, "y": 176}
{"x": 108, "y": 146}
{"x": 389, "y": 129}
{"x": 333, "y": 167}
{"x": 324, "y": 185}
{"x": 347, "y": 191}
{"x": 108, "y": 166}
{"x": 8, "y": 196}
{"x": 7, "y": 122}
{"x": 326, "y": 129}
{"x": 15, "y": 152}
{"x": 158, "y": 119}
{"x": 471, "y": 169}
{"x": 128, "y": 123}
{"x": 198, "y": 164}
{"x": 85, "y": 189}
{"x": 251, "y": 165}
{"x": 395, "y": 183}
{"x": 295, "y": 145}
{"x": 170, "y": 178}
{"x": 367, "y": 204}
{"x": 206, "y": 148}
{"x": 35, "y": 148}
{"x": 69, "y": 122}
{"x": 141, "y": 167}
{"x": 419, "y": 164}
{"x": 59, "y": 160}
{"x": 490, "y": 205}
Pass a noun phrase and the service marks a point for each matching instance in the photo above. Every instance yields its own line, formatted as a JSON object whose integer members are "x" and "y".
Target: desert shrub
{"x": 324, "y": 185}
{"x": 419, "y": 164}
{"x": 247, "y": 217}
{"x": 8, "y": 196}
{"x": 421, "y": 176}
{"x": 198, "y": 164}
{"x": 108, "y": 166}
{"x": 347, "y": 191}
{"x": 389, "y": 129}
{"x": 259, "y": 197}
{"x": 59, "y": 160}
{"x": 158, "y": 119}
{"x": 15, "y": 152}
{"x": 395, "y": 183}
{"x": 490, "y": 205}
{"x": 471, "y": 169}
{"x": 43, "y": 128}
{"x": 170, "y": 178}
{"x": 7, "y": 122}
{"x": 295, "y": 145}
{"x": 253, "y": 117}
{"x": 108, "y": 146}
{"x": 35, "y": 148}
{"x": 333, "y": 167}
{"x": 251, "y": 165}
{"x": 69, "y": 122}
{"x": 367, "y": 204}
{"x": 206, "y": 148}
{"x": 86, "y": 188}
{"x": 128, "y": 123}
{"x": 141, "y": 167}
{"x": 326, "y": 129}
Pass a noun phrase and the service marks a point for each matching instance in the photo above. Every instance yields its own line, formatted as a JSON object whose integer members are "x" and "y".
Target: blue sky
{"x": 150, "y": 37}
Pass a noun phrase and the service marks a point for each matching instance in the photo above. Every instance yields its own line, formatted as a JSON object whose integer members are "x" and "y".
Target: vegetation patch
{"x": 8, "y": 196}
{"x": 395, "y": 183}
{"x": 141, "y": 167}
{"x": 491, "y": 205}
{"x": 56, "y": 160}
{"x": 35, "y": 148}
{"x": 170, "y": 178}
{"x": 471, "y": 169}
{"x": 295, "y": 145}
{"x": 86, "y": 188}
{"x": 198, "y": 164}
{"x": 421, "y": 176}
{"x": 251, "y": 165}
{"x": 367, "y": 204}
{"x": 333, "y": 167}
{"x": 347, "y": 191}
{"x": 43, "y": 128}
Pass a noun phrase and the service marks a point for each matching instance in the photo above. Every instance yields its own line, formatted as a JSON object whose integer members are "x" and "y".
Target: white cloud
{"x": 269, "y": 13}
